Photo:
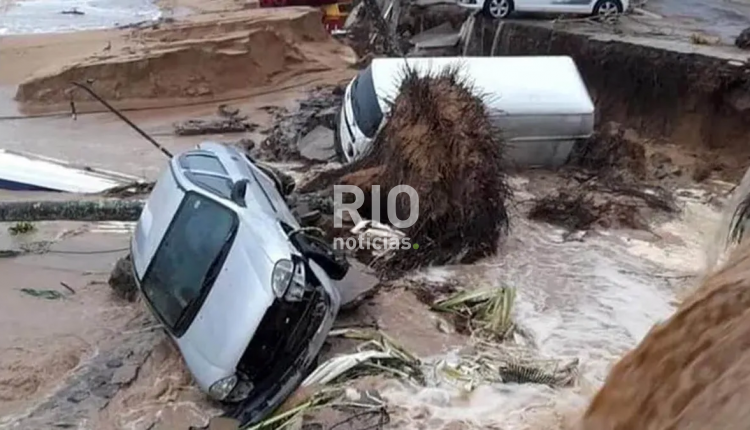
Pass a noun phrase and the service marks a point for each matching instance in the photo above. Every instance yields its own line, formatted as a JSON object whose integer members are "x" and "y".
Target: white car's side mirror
{"x": 238, "y": 192}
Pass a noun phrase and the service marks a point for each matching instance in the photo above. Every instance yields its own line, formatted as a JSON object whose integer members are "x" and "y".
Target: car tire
{"x": 497, "y": 9}
{"x": 607, "y": 8}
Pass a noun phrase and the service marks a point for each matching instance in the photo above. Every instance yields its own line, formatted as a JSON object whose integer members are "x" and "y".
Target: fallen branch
{"x": 486, "y": 311}
{"x": 71, "y": 210}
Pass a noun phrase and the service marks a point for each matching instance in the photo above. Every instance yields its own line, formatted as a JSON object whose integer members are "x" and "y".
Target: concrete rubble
{"x": 317, "y": 145}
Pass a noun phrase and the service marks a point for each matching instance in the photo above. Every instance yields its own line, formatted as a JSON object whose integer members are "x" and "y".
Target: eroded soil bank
{"x": 687, "y": 100}
{"x": 200, "y": 58}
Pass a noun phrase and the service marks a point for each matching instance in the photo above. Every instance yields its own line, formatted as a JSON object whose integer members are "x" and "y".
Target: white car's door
{"x": 565, "y": 6}
{"x": 531, "y": 5}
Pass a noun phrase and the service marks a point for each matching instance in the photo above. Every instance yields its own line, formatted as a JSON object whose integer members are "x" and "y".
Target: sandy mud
{"x": 208, "y": 57}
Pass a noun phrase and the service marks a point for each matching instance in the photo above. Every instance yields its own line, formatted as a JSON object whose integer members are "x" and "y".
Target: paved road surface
{"x": 722, "y": 18}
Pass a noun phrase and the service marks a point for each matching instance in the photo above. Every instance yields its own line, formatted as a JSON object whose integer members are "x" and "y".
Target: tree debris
{"x": 229, "y": 121}
{"x": 196, "y": 127}
{"x": 68, "y": 287}
{"x": 610, "y": 155}
{"x": 487, "y": 362}
{"x": 438, "y": 139}
{"x": 129, "y": 190}
{"x": 571, "y": 211}
{"x": 21, "y": 227}
{"x": 72, "y": 11}
{"x": 43, "y": 294}
{"x": 612, "y": 186}
{"x": 485, "y": 311}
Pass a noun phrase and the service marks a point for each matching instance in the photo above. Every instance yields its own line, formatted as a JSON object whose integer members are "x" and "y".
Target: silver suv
{"x": 221, "y": 261}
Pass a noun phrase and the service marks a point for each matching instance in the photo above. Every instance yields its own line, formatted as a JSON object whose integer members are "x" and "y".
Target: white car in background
{"x": 503, "y": 8}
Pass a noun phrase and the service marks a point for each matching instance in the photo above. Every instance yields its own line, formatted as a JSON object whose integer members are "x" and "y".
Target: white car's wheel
{"x": 607, "y": 8}
{"x": 497, "y": 8}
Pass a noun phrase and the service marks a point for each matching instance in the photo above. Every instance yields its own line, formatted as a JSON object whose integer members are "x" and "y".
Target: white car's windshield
{"x": 188, "y": 260}
{"x": 365, "y": 104}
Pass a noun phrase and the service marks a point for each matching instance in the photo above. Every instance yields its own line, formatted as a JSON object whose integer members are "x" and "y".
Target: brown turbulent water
{"x": 693, "y": 370}
{"x": 592, "y": 299}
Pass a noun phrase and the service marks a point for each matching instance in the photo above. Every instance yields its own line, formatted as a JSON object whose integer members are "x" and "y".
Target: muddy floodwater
{"x": 50, "y": 329}
{"x": 590, "y": 297}
{"x": 56, "y": 16}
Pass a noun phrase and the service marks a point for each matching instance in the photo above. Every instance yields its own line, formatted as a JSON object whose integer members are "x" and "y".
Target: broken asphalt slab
{"x": 317, "y": 145}
{"x": 441, "y": 36}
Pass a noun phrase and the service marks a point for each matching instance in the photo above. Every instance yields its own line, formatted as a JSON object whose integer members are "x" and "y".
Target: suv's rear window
{"x": 201, "y": 232}
{"x": 202, "y": 162}
{"x": 219, "y": 185}
{"x": 207, "y": 172}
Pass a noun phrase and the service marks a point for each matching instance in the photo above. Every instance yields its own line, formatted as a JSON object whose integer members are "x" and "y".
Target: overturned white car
{"x": 223, "y": 264}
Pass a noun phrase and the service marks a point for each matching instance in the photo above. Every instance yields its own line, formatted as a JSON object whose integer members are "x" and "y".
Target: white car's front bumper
{"x": 471, "y": 4}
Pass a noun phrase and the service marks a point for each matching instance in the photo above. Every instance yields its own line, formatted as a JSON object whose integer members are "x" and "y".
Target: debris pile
{"x": 372, "y": 31}
{"x": 134, "y": 189}
{"x": 439, "y": 141}
{"x": 332, "y": 384}
{"x": 611, "y": 155}
{"x": 229, "y": 121}
{"x": 307, "y": 132}
{"x": 71, "y": 210}
{"x": 610, "y": 185}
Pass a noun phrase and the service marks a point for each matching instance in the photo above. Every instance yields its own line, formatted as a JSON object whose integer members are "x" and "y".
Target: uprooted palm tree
{"x": 438, "y": 139}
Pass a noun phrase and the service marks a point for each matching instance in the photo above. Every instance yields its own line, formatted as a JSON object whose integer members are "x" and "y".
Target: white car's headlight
{"x": 220, "y": 389}
{"x": 288, "y": 280}
{"x": 281, "y": 277}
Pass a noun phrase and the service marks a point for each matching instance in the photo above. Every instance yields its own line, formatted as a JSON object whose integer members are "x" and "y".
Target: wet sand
{"x": 44, "y": 339}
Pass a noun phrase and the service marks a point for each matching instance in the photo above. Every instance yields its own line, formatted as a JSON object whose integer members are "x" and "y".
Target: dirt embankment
{"x": 207, "y": 57}
{"x": 700, "y": 104}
